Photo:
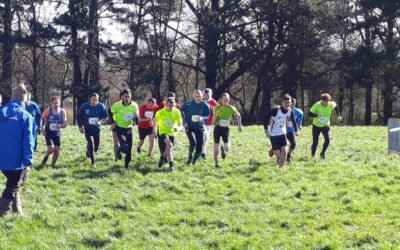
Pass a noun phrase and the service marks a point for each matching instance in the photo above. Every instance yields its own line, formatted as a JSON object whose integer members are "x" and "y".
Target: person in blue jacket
{"x": 291, "y": 133}
{"x": 17, "y": 139}
{"x": 195, "y": 113}
{"x": 34, "y": 110}
{"x": 90, "y": 116}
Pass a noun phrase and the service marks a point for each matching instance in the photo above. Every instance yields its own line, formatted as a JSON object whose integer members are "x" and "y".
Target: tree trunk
{"x": 211, "y": 38}
{"x": 8, "y": 47}
{"x": 134, "y": 49}
{"x": 368, "y": 104}
{"x": 351, "y": 107}
{"x": 92, "y": 72}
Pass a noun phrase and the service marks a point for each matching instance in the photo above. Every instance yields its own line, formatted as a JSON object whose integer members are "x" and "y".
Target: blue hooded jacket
{"x": 34, "y": 110}
{"x": 17, "y": 129}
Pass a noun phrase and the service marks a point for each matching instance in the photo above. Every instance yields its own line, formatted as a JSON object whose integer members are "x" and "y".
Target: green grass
{"x": 349, "y": 200}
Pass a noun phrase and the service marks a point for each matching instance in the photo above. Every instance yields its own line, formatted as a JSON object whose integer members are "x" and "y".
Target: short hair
{"x": 126, "y": 91}
{"x": 55, "y": 98}
{"x": 294, "y": 101}
{"x": 286, "y": 97}
{"x": 326, "y": 97}
{"x": 94, "y": 94}
{"x": 153, "y": 100}
{"x": 171, "y": 94}
{"x": 198, "y": 91}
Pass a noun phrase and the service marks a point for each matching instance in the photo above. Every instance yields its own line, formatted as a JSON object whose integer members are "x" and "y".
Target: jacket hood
{"x": 10, "y": 109}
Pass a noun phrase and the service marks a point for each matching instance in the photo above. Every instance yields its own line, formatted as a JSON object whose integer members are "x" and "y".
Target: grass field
{"x": 349, "y": 200}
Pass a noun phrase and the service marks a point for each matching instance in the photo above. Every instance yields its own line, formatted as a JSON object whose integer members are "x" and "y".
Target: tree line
{"x": 253, "y": 49}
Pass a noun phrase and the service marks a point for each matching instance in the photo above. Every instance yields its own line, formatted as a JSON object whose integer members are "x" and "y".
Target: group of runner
{"x": 284, "y": 122}
{"x": 197, "y": 117}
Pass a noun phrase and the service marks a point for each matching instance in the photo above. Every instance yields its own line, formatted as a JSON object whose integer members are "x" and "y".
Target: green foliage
{"x": 349, "y": 200}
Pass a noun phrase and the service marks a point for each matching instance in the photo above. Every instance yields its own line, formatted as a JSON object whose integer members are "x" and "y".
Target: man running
{"x": 34, "y": 110}
{"x": 194, "y": 114}
{"x": 17, "y": 139}
{"x": 125, "y": 112}
{"x": 291, "y": 134}
{"x": 168, "y": 122}
{"x": 276, "y": 127}
{"x": 208, "y": 123}
{"x": 89, "y": 118}
{"x": 146, "y": 125}
{"x": 321, "y": 112}
{"x": 54, "y": 119}
{"x": 223, "y": 115}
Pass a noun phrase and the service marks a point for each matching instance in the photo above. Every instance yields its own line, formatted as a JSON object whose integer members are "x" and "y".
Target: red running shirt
{"x": 145, "y": 112}
{"x": 213, "y": 103}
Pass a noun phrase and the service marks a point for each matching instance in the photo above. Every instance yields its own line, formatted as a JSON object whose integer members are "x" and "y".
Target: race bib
{"x": 322, "y": 119}
{"x": 149, "y": 114}
{"x": 281, "y": 122}
{"x": 169, "y": 123}
{"x": 54, "y": 127}
{"x": 93, "y": 121}
{"x": 128, "y": 117}
{"x": 195, "y": 118}
{"x": 224, "y": 122}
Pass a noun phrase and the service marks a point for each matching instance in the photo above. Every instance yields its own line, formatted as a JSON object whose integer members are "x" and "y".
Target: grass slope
{"x": 349, "y": 200}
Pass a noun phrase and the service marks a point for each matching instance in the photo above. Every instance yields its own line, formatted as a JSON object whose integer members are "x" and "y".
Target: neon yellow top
{"x": 167, "y": 121}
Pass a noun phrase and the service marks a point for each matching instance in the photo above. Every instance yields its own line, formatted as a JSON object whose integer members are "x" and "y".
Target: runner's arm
{"x": 206, "y": 114}
{"x": 80, "y": 117}
{"x": 295, "y": 125}
{"x": 64, "y": 118}
{"x": 311, "y": 114}
{"x": 38, "y": 118}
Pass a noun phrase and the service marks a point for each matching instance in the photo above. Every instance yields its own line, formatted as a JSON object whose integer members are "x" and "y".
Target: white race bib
{"x": 195, "y": 118}
{"x": 128, "y": 117}
{"x": 224, "y": 122}
{"x": 169, "y": 123}
{"x": 322, "y": 119}
{"x": 149, "y": 114}
{"x": 54, "y": 127}
{"x": 93, "y": 121}
{"x": 281, "y": 122}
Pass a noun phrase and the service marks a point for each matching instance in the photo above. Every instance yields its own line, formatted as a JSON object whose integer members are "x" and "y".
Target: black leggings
{"x": 12, "y": 184}
{"x": 125, "y": 139}
{"x": 93, "y": 141}
{"x": 325, "y": 132}
{"x": 197, "y": 140}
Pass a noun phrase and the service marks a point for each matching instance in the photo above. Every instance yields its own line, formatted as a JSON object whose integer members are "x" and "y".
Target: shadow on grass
{"x": 94, "y": 173}
{"x": 145, "y": 168}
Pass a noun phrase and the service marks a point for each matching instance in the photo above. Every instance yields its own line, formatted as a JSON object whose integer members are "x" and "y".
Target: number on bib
{"x": 128, "y": 117}
{"x": 149, "y": 114}
{"x": 169, "y": 123}
{"x": 195, "y": 118}
{"x": 54, "y": 127}
{"x": 224, "y": 122}
{"x": 93, "y": 120}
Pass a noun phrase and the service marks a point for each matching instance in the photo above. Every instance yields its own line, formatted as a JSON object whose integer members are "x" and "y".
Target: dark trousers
{"x": 93, "y": 142}
{"x": 125, "y": 139}
{"x": 197, "y": 140}
{"x": 325, "y": 132}
{"x": 12, "y": 184}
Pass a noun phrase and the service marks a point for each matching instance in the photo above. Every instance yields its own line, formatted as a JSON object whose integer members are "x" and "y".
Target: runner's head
{"x": 170, "y": 103}
{"x": 207, "y": 94}
{"x": 171, "y": 95}
{"x": 325, "y": 98}
{"x": 20, "y": 93}
{"x": 151, "y": 102}
{"x": 126, "y": 95}
{"x": 197, "y": 95}
{"x": 94, "y": 99}
{"x": 286, "y": 101}
{"x": 224, "y": 99}
{"x": 55, "y": 102}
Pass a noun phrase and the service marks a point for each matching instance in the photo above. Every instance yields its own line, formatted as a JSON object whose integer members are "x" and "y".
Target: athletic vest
{"x": 53, "y": 125}
{"x": 279, "y": 123}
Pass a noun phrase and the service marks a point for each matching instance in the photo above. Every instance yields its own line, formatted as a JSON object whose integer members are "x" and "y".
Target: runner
{"x": 321, "y": 112}
{"x": 168, "y": 122}
{"x": 55, "y": 118}
{"x": 276, "y": 127}
{"x": 117, "y": 154}
{"x": 194, "y": 114}
{"x": 34, "y": 110}
{"x": 223, "y": 115}
{"x": 291, "y": 134}
{"x": 125, "y": 112}
{"x": 89, "y": 118}
{"x": 146, "y": 125}
{"x": 212, "y": 104}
